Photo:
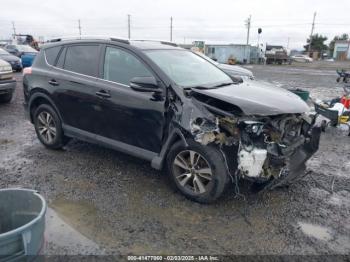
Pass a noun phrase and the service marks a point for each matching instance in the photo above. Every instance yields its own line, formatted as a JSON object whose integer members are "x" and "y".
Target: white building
{"x": 341, "y": 50}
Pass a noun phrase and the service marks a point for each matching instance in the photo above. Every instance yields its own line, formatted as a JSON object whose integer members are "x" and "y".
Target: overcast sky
{"x": 215, "y": 21}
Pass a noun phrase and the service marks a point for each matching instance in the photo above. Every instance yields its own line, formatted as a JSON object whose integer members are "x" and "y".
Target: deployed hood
{"x": 258, "y": 98}
{"x": 235, "y": 70}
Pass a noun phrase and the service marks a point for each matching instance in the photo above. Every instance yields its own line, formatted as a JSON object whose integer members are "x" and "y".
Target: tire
{"x": 46, "y": 118}
{"x": 206, "y": 158}
{"x": 323, "y": 125}
{"x": 6, "y": 98}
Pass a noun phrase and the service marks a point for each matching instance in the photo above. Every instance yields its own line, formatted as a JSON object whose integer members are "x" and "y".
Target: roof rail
{"x": 122, "y": 40}
{"x": 157, "y": 41}
{"x": 87, "y": 37}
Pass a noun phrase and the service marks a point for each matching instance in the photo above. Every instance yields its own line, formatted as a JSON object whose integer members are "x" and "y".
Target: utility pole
{"x": 129, "y": 25}
{"x": 288, "y": 43}
{"x": 312, "y": 32}
{"x": 247, "y": 23}
{"x": 79, "y": 27}
{"x": 171, "y": 29}
{"x": 14, "y": 30}
{"x": 347, "y": 51}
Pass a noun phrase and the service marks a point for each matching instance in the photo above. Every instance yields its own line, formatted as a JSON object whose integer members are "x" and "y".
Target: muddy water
{"x": 158, "y": 228}
{"x": 81, "y": 223}
{"x": 64, "y": 236}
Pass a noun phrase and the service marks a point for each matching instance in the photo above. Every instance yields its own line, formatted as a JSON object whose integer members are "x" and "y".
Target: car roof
{"x": 138, "y": 44}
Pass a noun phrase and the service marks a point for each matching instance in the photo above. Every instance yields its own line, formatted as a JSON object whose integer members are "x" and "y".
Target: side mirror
{"x": 145, "y": 84}
{"x": 236, "y": 79}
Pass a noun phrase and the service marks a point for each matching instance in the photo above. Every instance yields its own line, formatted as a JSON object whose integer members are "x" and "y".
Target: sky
{"x": 286, "y": 23}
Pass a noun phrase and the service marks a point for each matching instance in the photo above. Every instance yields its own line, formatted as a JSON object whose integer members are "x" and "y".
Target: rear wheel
{"x": 48, "y": 127}
{"x": 6, "y": 98}
{"x": 197, "y": 171}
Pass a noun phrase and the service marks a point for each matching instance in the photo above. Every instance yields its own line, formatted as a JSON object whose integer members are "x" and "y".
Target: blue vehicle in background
{"x": 25, "y": 52}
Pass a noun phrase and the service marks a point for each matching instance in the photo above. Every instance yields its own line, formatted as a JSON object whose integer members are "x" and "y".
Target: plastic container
{"x": 22, "y": 223}
{"x": 301, "y": 93}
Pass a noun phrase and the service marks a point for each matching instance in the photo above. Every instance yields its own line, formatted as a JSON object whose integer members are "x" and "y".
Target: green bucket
{"x": 301, "y": 93}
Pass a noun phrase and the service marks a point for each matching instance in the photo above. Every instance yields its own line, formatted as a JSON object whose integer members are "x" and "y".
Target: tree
{"x": 317, "y": 43}
{"x": 332, "y": 43}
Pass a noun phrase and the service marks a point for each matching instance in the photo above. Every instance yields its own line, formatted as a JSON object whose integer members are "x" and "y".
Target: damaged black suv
{"x": 173, "y": 108}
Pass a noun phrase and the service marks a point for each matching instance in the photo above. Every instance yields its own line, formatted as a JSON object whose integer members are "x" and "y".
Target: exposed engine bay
{"x": 268, "y": 148}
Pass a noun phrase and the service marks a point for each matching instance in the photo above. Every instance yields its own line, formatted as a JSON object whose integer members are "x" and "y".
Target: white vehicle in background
{"x": 7, "y": 82}
{"x": 302, "y": 58}
{"x": 231, "y": 70}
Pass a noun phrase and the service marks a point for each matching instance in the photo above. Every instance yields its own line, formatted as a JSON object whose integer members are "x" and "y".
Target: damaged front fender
{"x": 271, "y": 150}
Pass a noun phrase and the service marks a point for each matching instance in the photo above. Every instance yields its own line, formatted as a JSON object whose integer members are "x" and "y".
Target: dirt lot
{"x": 105, "y": 202}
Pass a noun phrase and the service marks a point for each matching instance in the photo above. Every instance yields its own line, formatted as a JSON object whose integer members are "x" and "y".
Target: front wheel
{"x": 48, "y": 127}
{"x": 199, "y": 172}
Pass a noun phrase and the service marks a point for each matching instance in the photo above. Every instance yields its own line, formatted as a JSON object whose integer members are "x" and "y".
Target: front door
{"x": 128, "y": 116}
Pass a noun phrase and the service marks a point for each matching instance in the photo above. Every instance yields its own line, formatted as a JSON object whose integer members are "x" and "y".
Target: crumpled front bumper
{"x": 297, "y": 162}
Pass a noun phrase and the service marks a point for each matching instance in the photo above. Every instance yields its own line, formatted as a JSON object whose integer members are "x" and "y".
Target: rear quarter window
{"x": 51, "y": 54}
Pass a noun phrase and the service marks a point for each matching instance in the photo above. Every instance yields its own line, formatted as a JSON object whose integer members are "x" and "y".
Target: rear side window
{"x": 51, "y": 54}
{"x": 82, "y": 59}
{"x": 60, "y": 60}
{"x": 121, "y": 66}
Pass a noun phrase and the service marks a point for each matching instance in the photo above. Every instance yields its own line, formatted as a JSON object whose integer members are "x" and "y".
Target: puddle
{"x": 60, "y": 235}
{"x": 319, "y": 232}
{"x": 5, "y": 141}
{"x": 83, "y": 218}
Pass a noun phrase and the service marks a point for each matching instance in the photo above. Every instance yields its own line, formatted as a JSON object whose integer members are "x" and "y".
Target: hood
{"x": 9, "y": 58}
{"x": 235, "y": 70}
{"x": 258, "y": 98}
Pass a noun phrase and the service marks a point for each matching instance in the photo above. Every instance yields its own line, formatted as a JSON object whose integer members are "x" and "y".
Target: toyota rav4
{"x": 173, "y": 108}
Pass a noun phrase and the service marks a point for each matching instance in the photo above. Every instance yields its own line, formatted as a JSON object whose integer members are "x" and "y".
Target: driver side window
{"x": 121, "y": 66}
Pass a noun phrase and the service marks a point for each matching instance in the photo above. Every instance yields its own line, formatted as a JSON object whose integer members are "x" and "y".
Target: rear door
{"x": 135, "y": 118}
{"x": 74, "y": 80}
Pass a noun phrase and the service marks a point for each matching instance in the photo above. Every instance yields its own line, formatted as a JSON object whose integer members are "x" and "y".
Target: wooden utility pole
{"x": 312, "y": 32}
{"x": 248, "y": 23}
{"x": 14, "y": 30}
{"x": 79, "y": 27}
{"x": 129, "y": 25}
{"x": 171, "y": 29}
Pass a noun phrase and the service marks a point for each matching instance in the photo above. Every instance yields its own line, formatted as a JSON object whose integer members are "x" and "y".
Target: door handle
{"x": 103, "y": 94}
{"x": 53, "y": 82}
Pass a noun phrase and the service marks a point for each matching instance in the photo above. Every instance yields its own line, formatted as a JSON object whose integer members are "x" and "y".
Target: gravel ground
{"x": 105, "y": 202}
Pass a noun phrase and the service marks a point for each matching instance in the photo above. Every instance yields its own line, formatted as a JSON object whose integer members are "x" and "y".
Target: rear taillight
{"x": 27, "y": 71}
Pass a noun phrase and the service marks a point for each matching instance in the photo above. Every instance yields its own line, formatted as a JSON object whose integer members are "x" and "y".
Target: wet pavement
{"x": 104, "y": 202}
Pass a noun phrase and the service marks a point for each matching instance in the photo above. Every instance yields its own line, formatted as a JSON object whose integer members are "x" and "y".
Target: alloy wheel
{"x": 46, "y": 127}
{"x": 192, "y": 171}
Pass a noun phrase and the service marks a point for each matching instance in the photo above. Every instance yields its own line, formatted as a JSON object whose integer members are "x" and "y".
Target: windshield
{"x": 3, "y": 52}
{"x": 207, "y": 58}
{"x": 187, "y": 69}
{"x": 26, "y": 48}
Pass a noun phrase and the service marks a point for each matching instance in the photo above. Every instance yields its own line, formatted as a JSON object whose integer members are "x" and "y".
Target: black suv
{"x": 171, "y": 107}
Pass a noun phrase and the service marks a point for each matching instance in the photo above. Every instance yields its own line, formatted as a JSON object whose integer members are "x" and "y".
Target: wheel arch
{"x": 174, "y": 136}
{"x": 38, "y": 98}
